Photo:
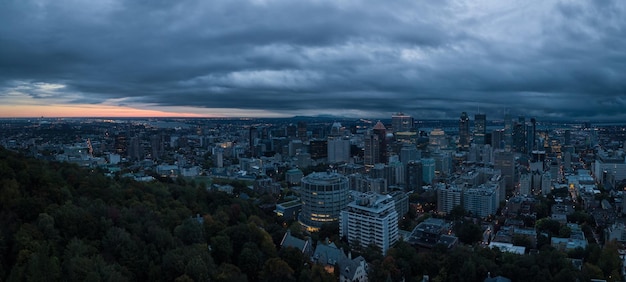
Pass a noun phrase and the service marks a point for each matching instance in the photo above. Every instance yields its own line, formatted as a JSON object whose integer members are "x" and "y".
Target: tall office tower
{"x": 414, "y": 176}
{"x": 296, "y": 147}
{"x": 371, "y": 155}
{"x": 381, "y": 132}
{"x": 448, "y": 197}
{"x": 401, "y": 122}
{"x": 519, "y": 136}
{"x": 498, "y": 139}
{"x": 395, "y": 173}
{"x": 508, "y": 133}
{"x": 218, "y": 157}
{"x": 408, "y": 153}
{"x": 336, "y": 130}
{"x": 302, "y": 130}
{"x": 480, "y": 129}
{"x": 567, "y": 162}
{"x": 121, "y": 145}
{"x": 135, "y": 151}
{"x": 370, "y": 219}
{"x": 555, "y": 170}
{"x": 505, "y": 162}
{"x": 438, "y": 138}
{"x": 428, "y": 170}
{"x": 323, "y": 195}
{"x": 464, "y": 133}
{"x": 567, "y": 137}
{"x": 252, "y": 138}
{"x": 525, "y": 184}
{"x": 546, "y": 183}
{"x": 157, "y": 146}
{"x": 318, "y": 149}
{"x": 481, "y": 201}
{"x": 291, "y": 131}
{"x": 443, "y": 162}
{"x": 338, "y": 149}
{"x": 532, "y": 135}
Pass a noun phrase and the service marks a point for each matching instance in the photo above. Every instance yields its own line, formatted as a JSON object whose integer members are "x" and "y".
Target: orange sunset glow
{"x": 24, "y": 111}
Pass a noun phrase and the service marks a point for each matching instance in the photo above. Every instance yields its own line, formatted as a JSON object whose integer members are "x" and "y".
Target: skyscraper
{"x": 480, "y": 129}
{"x": 380, "y": 131}
{"x": 508, "y": 133}
{"x": 401, "y": 122}
{"x": 338, "y": 149}
{"x": 464, "y": 135}
{"x": 370, "y": 219}
{"x": 428, "y": 170}
{"x": 505, "y": 162}
{"x": 414, "y": 176}
{"x": 408, "y": 153}
{"x": 302, "y": 130}
{"x": 324, "y": 195}
{"x": 371, "y": 154}
{"x": 252, "y": 141}
{"x": 519, "y": 136}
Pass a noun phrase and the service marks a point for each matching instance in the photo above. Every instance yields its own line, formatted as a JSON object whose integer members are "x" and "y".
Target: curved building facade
{"x": 323, "y": 195}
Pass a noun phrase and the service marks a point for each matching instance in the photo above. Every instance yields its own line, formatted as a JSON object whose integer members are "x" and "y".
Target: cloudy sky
{"x": 430, "y": 59}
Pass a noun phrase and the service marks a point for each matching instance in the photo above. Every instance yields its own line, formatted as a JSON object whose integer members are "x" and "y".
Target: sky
{"x": 280, "y": 58}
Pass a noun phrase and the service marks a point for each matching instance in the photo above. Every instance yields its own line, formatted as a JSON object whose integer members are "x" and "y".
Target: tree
{"x": 521, "y": 240}
{"x": 458, "y": 212}
{"x": 294, "y": 258}
{"x": 221, "y": 248}
{"x": 565, "y": 231}
{"x": 609, "y": 260}
{"x": 275, "y": 270}
{"x": 468, "y": 232}
{"x": 548, "y": 225}
{"x": 250, "y": 260}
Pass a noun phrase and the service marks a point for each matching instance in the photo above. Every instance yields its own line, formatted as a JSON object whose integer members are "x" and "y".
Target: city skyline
{"x": 430, "y": 60}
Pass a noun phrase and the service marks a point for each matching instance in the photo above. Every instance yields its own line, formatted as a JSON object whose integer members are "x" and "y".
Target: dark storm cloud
{"x": 431, "y": 59}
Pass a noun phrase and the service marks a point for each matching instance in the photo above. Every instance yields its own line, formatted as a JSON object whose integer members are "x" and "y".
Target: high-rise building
{"x": 525, "y": 184}
{"x": 464, "y": 133}
{"x": 318, "y": 149}
{"x": 157, "y": 146}
{"x": 481, "y": 201}
{"x": 498, "y": 138}
{"x": 505, "y": 162}
{"x": 438, "y": 138}
{"x": 323, "y": 195}
{"x": 519, "y": 136}
{"x": 531, "y": 132}
{"x": 508, "y": 133}
{"x": 408, "y": 153}
{"x": 371, "y": 154}
{"x": 380, "y": 131}
{"x": 302, "y": 130}
{"x": 546, "y": 183}
{"x": 401, "y": 122}
{"x": 480, "y": 129}
{"x": 253, "y": 135}
{"x": 448, "y": 197}
{"x": 414, "y": 176}
{"x": 135, "y": 150}
{"x": 428, "y": 170}
{"x": 370, "y": 219}
{"x": 338, "y": 149}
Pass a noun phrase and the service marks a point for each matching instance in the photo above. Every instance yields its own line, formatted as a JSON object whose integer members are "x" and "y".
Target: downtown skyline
{"x": 428, "y": 59}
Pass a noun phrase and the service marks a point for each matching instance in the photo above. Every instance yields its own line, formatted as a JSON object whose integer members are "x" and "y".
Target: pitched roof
{"x": 379, "y": 125}
{"x": 326, "y": 254}
{"x": 291, "y": 241}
